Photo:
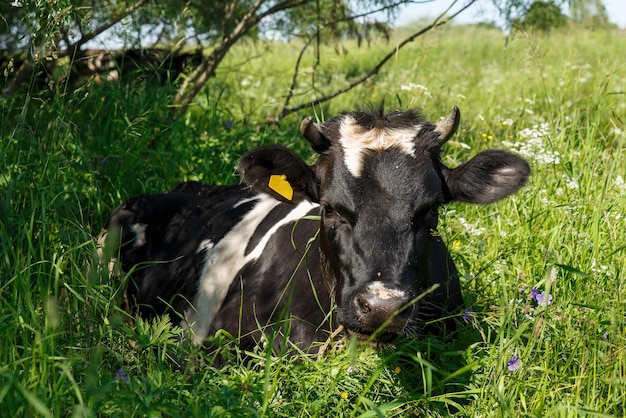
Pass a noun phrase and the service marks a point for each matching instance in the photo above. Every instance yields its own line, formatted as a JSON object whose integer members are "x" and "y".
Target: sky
{"x": 483, "y": 11}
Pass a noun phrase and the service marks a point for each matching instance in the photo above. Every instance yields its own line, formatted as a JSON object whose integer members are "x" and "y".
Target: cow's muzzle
{"x": 381, "y": 311}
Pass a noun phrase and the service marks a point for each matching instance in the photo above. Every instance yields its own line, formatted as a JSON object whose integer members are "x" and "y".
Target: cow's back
{"x": 222, "y": 257}
{"x": 162, "y": 236}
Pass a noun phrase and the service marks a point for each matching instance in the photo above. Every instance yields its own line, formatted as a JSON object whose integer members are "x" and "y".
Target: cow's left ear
{"x": 279, "y": 172}
{"x": 489, "y": 176}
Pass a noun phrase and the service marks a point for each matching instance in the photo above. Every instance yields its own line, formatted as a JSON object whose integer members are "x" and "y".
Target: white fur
{"x": 140, "y": 234}
{"x": 244, "y": 201}
{"x": 355, "y": 140}
{"x": 205, "y": 245}
{"x": 380, "y": 290}
{"x": 228, "y": 257}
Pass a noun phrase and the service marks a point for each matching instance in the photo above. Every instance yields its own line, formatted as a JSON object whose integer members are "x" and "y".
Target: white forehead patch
{"x": 355, "y": 140}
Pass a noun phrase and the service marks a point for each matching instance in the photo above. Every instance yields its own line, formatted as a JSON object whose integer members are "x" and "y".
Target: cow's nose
{"x": 374, "y": 310}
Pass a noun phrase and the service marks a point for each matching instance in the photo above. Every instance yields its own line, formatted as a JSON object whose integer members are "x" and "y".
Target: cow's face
{"x": 379, "y": 183}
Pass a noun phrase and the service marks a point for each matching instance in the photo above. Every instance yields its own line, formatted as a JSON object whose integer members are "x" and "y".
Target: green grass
{"x": 67, "y": 160}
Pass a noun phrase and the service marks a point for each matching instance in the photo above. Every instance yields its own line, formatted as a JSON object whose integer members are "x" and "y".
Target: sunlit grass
{"x": 67, "y": 161}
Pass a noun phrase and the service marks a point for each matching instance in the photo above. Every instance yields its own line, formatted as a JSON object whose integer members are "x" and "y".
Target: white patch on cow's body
{"x": 205, "y": 245}
{"x": 355, "y": 139}
{"x": 379, "y": 289}
{"x": 228, "y": 257}
{"x": 140, "y": 234}
{"x": 244, "y": 201}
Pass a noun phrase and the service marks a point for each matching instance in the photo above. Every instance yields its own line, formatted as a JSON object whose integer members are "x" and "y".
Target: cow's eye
{"x": 328, "y": 209}
{"x": 340, "y": 215}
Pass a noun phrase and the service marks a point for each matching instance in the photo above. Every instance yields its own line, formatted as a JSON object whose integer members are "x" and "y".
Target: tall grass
{"x": 67, "y": 160}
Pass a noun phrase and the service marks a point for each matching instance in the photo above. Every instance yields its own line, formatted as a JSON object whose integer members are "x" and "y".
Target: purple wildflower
{"x": 102, "y": 159}
{"x": 605, "y": 337}
{"x": 543, "y": 299}
{"x": 468, "y": 314}
{"x": 229, "y": 123}
{"x": 534, "y": 292}
{"x": 122, "y": 375}
{"x": 514, "y": 363}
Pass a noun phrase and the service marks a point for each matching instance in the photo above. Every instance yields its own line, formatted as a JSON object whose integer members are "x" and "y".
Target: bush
{"x": 542, "y": 16}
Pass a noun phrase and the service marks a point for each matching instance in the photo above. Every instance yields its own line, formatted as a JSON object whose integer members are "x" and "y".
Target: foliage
{"x": 589, "y": 14}
{"x": 69, "y": 158}
{"x": 56, "y": 33}
{"x": 513, "y": 10}
{"x": 543, "y": 16}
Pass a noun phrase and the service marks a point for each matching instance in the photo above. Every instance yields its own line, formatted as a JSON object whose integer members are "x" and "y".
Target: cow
{"x": 349, "y": 242}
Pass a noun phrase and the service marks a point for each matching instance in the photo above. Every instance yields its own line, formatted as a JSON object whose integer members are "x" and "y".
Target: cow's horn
{"x": 448, "y": 126}
{"x": 311, "y": 132}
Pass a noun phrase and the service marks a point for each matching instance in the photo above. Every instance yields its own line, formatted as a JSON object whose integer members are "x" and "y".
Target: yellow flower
{"x": 490, "y": 137}
{"x": 344, "y": 395}
{"x": 456, "y": 244}
{"x": 484, "y": 135}
{"x": 397, "y": 370}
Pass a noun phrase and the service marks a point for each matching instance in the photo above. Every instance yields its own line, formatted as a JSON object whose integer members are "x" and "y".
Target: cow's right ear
{"x": 279, "y": 172}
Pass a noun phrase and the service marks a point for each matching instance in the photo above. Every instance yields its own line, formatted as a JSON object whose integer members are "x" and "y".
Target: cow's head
{"x": 379, "y": 182}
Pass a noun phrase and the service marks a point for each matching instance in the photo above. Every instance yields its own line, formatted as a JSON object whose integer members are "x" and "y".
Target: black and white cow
{"x": 252, "y": 258}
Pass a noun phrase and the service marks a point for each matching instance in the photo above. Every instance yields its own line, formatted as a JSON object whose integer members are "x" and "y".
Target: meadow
{"x": 542, "y": 332}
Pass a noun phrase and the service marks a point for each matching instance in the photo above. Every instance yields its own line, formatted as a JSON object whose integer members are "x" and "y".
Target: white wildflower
{"x": 531, "y": 145}
{"x": 463, "y": 145}
{"x": 602, "y": 269}
{"x": 619, "y": 183}
{"x": 471, "y": 228}
{"x": 416, "y": 88}
{"x": 571, "y": 183}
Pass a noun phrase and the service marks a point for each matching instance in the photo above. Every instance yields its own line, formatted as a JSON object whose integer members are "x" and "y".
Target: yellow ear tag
{"x": 279, "y": 183}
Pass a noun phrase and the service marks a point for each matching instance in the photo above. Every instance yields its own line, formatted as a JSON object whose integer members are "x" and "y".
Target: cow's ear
{"x": 489, "y": 176}
{"x": 279, "y": 172}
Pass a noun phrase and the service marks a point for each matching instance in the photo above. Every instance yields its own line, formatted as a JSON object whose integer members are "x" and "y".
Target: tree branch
{"x": 371, "y": 12}
{"x": 439, "y": 21}
{"x": 196, "y": 80}
{"x": 309, "y": 41}
{"x": 296, "y": 71}
{"x": 99, "y": 30}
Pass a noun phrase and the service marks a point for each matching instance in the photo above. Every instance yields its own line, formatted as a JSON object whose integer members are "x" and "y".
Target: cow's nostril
{"x": 363, "y": 305}
{"x": 373, "y": 311}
